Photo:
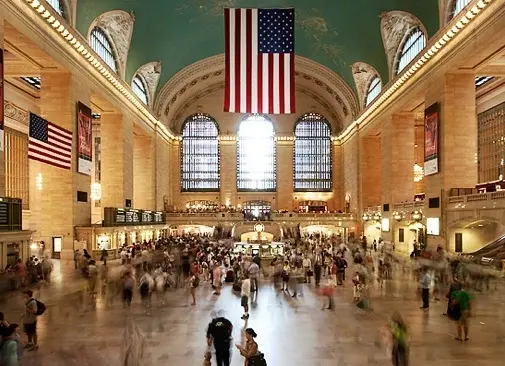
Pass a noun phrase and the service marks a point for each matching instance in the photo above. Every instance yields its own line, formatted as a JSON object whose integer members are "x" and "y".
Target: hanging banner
{"x": 2, "y": 100}
{"x": 84, "y": 139}
{"x": 431, "y": 125}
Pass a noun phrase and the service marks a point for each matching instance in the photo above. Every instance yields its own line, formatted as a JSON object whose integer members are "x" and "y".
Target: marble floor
{"x": 290, "y": 331}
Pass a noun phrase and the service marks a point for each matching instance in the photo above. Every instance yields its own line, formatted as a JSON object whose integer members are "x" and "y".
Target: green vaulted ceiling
{"x": 335, "y": 33}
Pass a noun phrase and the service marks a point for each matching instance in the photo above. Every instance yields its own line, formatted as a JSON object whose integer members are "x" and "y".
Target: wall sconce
{"x": 417, "y": 216}
{"x": 39, "y": 181}
{"x": 397, "y": 216}
{"x": 377, "y": 217}
{"x": 96, "y": 191}
{"x": 366, "y": 217}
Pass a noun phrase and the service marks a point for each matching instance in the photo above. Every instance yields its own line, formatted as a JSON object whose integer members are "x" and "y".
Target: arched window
{"x": 458, "y": 5}
{"x": 139, "y": 88}
{"x": 200, "y": 155}
{"x": 102, "y": 46}
{"x": 414, "y": 43}
{"x": 374, "y": 89}
{"x": 312, "y": 155}
{"x": 256, "y": 154}
{"x": 58, "y": 6}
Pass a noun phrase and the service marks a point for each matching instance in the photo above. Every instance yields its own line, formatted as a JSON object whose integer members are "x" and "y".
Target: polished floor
{"x": 290, "y": 331}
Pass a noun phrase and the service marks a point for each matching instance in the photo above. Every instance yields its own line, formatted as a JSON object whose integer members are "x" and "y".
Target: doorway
{"x": 458, "y": 240}
{"x": 57, "y": 244}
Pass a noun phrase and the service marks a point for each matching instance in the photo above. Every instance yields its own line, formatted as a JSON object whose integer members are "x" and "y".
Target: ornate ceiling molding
{"x": 15, "y": 113}
{"x": 150, "y": 72}
{"x": 118, "y": 26}
{"x": 395, "y": 26}
{"x": 175, "y": 94}
{"x": 363, "y": 74}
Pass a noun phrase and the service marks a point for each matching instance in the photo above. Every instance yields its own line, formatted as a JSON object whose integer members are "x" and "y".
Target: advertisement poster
{"x": 431, "y": 148}
{"x": 2, "y": 100}
{"x": 84, "y": 139}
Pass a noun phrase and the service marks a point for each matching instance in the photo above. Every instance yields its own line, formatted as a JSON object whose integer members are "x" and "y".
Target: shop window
{"x": 256, "y": 169}
{"x": 200, "y": 170}
{"x": 312, "y": 154}
{"x": 17, "y": 184}
{"x": 373, "y": 90}
{"x": 103, "y": 47}
{"x": 414, "y": 43}
{"x": 491, "y": 144}
{"x": 139, "y": 88}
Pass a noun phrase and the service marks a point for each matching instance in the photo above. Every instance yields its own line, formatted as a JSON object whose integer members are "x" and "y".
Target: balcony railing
{"x": 407, "y": 205}
{"x": 480, "y": 197}
{"x": 237, "y": 216}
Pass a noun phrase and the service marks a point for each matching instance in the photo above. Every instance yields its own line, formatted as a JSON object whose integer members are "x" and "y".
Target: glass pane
{"x": 56, "y": 5}
{"x": 312, "y": 154}
{"x": 459, "y": 5}
{"x": 200, "y": 154}
{"x": 102, "y": 46}
{"x": 373, "y": 90}
{"x": 256, "y": 154}
{"x": 414, "y": 44}
{"x": 139, "y": 89}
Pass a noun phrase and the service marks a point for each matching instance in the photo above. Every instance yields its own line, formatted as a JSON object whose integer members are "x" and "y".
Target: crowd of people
{"x": 149, "y": 269}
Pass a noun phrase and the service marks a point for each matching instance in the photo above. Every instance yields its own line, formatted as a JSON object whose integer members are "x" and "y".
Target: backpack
{"x": 41, "y": 308}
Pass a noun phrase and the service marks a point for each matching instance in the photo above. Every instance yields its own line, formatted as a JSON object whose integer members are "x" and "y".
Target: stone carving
{"x": 118, "y": 26}
{"x": 150, "y": 72}
{"x": 363, "y": 74}
{"x": 16, "y": 113}
{"x": 395, "y": 25}
{"x": 211, "y": 70}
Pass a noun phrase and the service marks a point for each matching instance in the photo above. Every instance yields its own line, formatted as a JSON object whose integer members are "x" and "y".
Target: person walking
{"x": 461, "y": 311}
{"x": 254, "y": 272}
{"x": 399, "y": 335}
{"x": 425, "y": 284}
{"x": 219, "y": 333}
{"x": 455, "y": 286}
{"x": 127, "y": 289}
{"x": 30, "y": 320}
{"x": 245, "y": 293}
{"x": 250, "y": 351}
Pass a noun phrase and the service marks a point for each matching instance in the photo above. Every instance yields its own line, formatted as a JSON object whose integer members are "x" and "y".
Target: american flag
{"x": 259, "y": 60}
{"x": 49, "y": 143}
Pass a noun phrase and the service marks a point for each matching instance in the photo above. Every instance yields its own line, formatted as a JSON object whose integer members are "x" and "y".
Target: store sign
{"x": 126, "y": 216}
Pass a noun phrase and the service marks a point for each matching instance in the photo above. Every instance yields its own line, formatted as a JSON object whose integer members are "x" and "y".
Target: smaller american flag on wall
{"x": 49, "y": 143}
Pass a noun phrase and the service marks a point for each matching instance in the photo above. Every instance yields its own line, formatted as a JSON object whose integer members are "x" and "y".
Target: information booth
{"x": 264, "y": 250}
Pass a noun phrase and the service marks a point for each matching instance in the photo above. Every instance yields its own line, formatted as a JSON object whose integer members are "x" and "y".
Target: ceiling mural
{"x": 333, "y": 33}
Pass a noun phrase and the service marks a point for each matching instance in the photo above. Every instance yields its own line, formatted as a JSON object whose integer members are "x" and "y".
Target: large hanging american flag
{"x": 49, "y": 143}
{"x": 259, "y": 57}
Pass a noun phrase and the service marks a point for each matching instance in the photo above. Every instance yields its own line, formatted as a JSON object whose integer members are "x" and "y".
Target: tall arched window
{"x": 57, "y": 5}
{"x": 103, "y": 47}
{"x": 256, "y": 154}
{"x": 458, "y": 5}
{"x": 139, "y": 88}
{"x": 373, "y": 90}
{"x": 413, "y": 44}
{"x": 312, "y": 155}
{"x": 200, "y": 154}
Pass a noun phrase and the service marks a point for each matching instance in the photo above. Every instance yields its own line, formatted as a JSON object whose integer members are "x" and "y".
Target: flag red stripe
{"x": 238, "y": 61}
{"x": 47, "y": 155}
{"x": 260, "y": 83}
{"x": 249, "y": 85}
{"x": 227, "y": 60}
{"x": 270, "y": 83}
{"x": 59, "y": 131}
{"x": 282, "y": 104}
{"x": 39, "y": 147}
{"x": 292, "y": 82}
{"x": 57, "y": 138}
{"x": 49, "y": 162}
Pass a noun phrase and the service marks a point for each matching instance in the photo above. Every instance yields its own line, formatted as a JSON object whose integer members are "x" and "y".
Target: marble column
{"x": 162, "y": 172}
{"x": 351, "y": 163}
{"x": 337, "y": 203}
{"x": 228, "y": 149}
{"x": 370, "y": 171}
{"x": 284, "y": 174}
{"x": 116, "y": 134}
{"x": 143, "y": 172}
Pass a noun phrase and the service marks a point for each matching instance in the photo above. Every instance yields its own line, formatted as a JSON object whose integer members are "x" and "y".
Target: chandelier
{"x": 418, "y": 173}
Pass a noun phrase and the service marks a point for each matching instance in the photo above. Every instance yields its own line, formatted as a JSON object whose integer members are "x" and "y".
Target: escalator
{"x": 493, "y": 250}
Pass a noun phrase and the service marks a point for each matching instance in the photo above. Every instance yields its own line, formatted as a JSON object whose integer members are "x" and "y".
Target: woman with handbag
{"x": 250, "y": 352}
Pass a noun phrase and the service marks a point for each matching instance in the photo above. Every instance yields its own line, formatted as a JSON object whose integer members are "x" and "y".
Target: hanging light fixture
{"x": 418, "y": 173}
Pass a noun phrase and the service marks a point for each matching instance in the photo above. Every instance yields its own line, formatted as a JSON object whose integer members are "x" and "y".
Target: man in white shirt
{"x": 245, "y": 293}
{"x": 307, "y": 266}
{"x": 254, "y": 272}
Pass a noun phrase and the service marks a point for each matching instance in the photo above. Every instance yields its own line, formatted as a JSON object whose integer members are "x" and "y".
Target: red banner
{"x": 84, "y": 139}
{"x": 431, "y": 148}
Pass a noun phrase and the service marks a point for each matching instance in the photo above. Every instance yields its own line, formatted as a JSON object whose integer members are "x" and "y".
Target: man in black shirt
{"x": 219, "y": 333}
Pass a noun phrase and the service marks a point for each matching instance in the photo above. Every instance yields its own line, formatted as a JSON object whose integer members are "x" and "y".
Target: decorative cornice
{"x": 118, "y": 26}
{"x": 15, "y": 113}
